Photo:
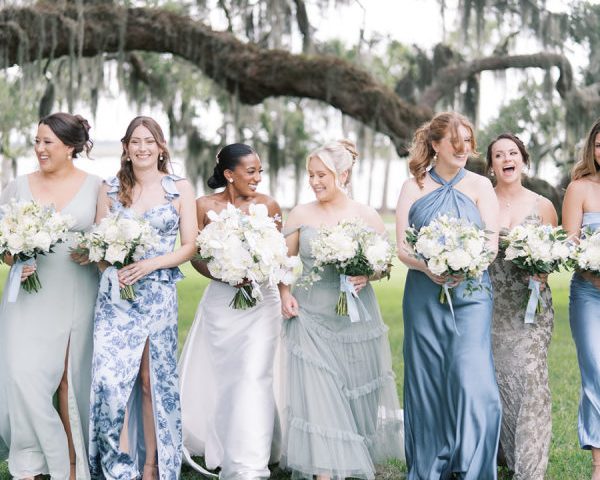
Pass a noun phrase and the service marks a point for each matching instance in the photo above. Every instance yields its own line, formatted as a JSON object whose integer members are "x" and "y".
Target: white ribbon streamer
{"x": 110, "y": 281}
{"x": 187, "y": 458}
{"x": 13, "y": 285}
{"x": 534, "y": 299}
{"x": 449, "y": 300}
{"x": 354, "y": 302}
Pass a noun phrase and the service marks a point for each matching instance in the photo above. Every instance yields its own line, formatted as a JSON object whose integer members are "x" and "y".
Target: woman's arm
{"x": 201, "y": 210}
{"x": 548, "y": 212}
{"x": 572, "y": 210}
{"x": 487, "y": 203}
{"x": 289, "y": 304}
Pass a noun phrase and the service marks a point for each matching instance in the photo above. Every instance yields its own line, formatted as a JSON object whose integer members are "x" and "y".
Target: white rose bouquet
{"x": 27, "y": 230}
{"x": 537, "y": 250}
{"x": 451, "y": 246}
{"x": 245, "y": 251}
{"x": 586, "y": 254}
{"x": 353, "y": 249}
{"x": 119, "y": 241}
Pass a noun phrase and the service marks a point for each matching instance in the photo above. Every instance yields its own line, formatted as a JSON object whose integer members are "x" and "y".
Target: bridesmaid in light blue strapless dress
{"x": 451, "y": 402}
{"x": 452, "y": 408}
{"x": 581, "y": 209}
{"x": 584, "y": 317}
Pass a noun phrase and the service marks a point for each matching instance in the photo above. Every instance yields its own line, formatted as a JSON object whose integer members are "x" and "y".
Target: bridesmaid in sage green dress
{"x": 520, "y": 348}
{"x": 581, "y": 209}
{"x": 46, "y": 337}
{"x": 342, "y": 415}
{"x": 451, "y": 404}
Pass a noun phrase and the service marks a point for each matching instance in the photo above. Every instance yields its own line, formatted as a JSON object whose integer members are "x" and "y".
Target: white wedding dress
{"x": 226, "y": 383}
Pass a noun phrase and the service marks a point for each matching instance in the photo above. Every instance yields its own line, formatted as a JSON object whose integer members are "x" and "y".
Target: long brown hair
{"x": 422, "y": 152}
{"x": 125, "y": 174}
{"x": 587, "y": 164}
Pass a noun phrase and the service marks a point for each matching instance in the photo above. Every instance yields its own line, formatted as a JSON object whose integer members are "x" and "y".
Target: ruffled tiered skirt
{"x": 341, "y": 406}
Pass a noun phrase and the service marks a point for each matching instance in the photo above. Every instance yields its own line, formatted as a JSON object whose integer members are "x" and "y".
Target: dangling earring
{"x": 160, "y": 157}
{"x": 128, "y": 159}
{"x": 69, "y": 156}
{"x": 491, "y": 173}
{"x": 434, "y": 161}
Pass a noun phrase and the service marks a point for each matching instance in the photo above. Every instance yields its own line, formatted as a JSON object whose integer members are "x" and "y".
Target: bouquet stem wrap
{"x": 110, "y": 281}
{"x": 243, "y": 298}
{"x": 13, "y": 285}
{"x": 349, "y": 302}
{"x": 533, "y": 305}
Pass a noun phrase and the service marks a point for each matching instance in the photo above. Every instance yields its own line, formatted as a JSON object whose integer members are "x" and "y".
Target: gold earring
{"x": 435, "y": 157}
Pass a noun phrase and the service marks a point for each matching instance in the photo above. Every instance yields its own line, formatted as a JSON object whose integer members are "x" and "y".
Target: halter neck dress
{"x": 452, "y": 407}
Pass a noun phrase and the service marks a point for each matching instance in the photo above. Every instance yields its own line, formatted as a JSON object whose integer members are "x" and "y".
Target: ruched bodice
{"x": 591, "y": 219}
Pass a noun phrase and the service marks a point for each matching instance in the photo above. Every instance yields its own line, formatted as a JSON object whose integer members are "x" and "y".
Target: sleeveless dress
{"x": 35, "y": 333}
{"x": 121, "y": 329}
{"x": 226, "y": 378}
{"x": 342, "y": 414}
{"x": 521, "y": 361}
{"x": 452, "y": 408}
{"x": 584, "y": 317}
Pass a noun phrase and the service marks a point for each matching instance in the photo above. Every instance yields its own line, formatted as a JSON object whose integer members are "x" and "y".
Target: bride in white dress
{"x": 226, "y": 367}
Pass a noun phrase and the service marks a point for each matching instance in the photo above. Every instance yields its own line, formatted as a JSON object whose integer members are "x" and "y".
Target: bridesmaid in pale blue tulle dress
{"x": 581, "y": 208}
{"x": 135, "y": 421}
{"x": 452, "y": 407}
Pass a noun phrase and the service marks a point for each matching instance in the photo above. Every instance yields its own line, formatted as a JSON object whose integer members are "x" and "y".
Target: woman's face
{"x": 143, "y": 149}
{"x": 597, "y": 149}
{"x": 321, "y": 180}
{"x": 51, "y": 152}
{"x": 446, "y": 153}
{"x": 507, "y": 161}
{"x": 246, "y": 175}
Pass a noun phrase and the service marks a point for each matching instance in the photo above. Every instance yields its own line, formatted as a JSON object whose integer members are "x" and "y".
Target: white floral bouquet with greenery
{"x": 353, "y": 249}
{"x": 537, "y": 250}
{"x": 28, "y": 229}
{"x": 586, "y": 254}
{"x": 120, "y": 241}
{"x": 452, "y": 246}
{"x": 245, "y": 251}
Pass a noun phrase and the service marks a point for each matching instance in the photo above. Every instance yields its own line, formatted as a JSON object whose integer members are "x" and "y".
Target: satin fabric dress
{"x": 35, "y": 333}
{"x": 584, "y": 317}
{"x": 121, "y": 330}
{"x": 341, "y": 411}
{"x": 521, "y": 359}
{"x": 226, "y": 377}
{"x": 452, "y": 408}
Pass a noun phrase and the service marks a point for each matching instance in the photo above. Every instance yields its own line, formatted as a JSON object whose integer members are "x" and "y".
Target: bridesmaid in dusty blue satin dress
{"x": 581, "y": 208}
{"x": 452, "y": 408}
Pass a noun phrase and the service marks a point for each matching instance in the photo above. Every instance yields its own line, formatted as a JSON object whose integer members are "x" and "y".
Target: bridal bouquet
{"x": 536, "y": 249}
{"x": 586, "y": 255}
{"x": 451, "y": 246}
{"x": 245, "y": 250}
{"x": 119, "y": 241}
{"x": 352, "y": 249}
{"x": 27, "y": 230}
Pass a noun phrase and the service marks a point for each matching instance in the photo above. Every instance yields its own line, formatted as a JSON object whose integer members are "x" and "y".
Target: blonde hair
{"x": 338, "y": 157}
{"x": 587, "y": 164}
{"x": 422, "y": 152}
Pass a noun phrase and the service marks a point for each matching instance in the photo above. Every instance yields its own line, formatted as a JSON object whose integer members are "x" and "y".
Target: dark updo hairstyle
{"x": 227, "y": 159}
{"x": 125, "y": 174}
{"x": 507, "y": 136}
{"x": 72, "y": 130}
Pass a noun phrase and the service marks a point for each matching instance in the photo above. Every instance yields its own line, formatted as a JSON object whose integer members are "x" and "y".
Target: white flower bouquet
{"x": 454, "y": 247}
{"x": 353, "y": 249}
{"x": 245, "y": 251}
{"x": 27, "y": 230}
{"x": 120, "y": 241}
{"x": 586, "y": 254}
{"x": 536, "y": 249}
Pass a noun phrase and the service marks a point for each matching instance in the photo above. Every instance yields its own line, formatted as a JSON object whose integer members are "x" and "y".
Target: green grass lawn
{"x": 567, "y": 461}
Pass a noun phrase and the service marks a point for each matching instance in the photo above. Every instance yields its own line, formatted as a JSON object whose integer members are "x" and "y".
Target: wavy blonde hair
{"x": 338, "y": 157}
{"x": 125, "y": 174}
{"x": 587, "y": 164}
{"x": 421, "y": 150}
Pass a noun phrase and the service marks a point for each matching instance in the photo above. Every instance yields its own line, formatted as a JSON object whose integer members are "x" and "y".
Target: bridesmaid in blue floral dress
{"x": 135, "y": 425}
{"x": 452, "y": 407}
{"x": 581, "y": 209}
